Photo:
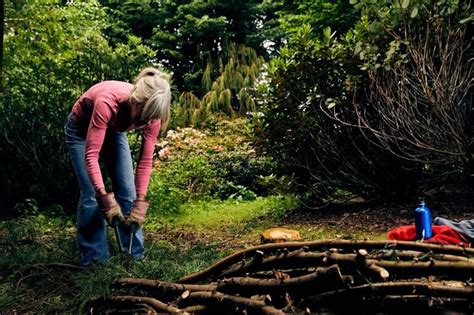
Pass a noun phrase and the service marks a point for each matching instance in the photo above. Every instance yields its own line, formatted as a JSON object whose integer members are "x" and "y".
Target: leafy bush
{"x": 311, "y": 76}
{"x": 379, "y": 112}
{"x": 239, "y": 170}
{"x": 218, "y": 161}
{"x": 53, "y": 52}
{"x": 418, "y": 56}
{"x": 164, "y": 198}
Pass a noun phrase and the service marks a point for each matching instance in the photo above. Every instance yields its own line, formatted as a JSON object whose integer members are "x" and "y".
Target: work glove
{"x": 109, "y": 208}
{"x": 138, "y": 213}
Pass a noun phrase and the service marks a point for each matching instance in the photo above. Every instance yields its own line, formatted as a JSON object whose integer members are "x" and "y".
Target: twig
{"x": 161, "y": 287}
{"x": 195, "y": 309}
{"x": 157, "y": 305}
{"x": 256, "y": 307}
{"x": 278, "y": 261}
{"x": 414, "y": 255}
{"x": 52, "y": 265}
{"x": 398, "y": 288}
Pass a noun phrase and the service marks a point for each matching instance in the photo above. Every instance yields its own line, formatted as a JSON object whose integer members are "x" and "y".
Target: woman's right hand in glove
{"x": 109, "y": 208}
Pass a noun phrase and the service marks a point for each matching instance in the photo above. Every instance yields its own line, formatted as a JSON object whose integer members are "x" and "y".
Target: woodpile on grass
{"x": 327, "y": 276}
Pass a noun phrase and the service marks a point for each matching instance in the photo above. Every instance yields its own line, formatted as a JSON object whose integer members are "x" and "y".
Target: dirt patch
{"x": 372, "y": 218}
{"x": 187, "y": 238}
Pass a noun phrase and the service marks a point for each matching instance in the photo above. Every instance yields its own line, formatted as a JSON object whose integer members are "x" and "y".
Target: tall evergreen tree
{"x": 190, "y": 34}
{"x": 339, "y": 15}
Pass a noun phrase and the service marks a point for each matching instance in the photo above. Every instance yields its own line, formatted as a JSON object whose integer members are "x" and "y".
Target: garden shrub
{"x": 216, "y": 162}
{"x": 163, "y": 196}
{"x": 193, "y": 176}
{"x": 53, "y": 53}
{"x": 383, "y": 111}
{"x": 324, "y": 155}
{"x": 418, "y": 56}
{"x": 241, "y": 170}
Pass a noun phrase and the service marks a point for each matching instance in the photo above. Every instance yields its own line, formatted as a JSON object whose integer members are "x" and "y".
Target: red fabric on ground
{"x": 442, "y": 234}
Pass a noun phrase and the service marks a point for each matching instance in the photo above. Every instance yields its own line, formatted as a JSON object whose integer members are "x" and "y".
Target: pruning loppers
{"x": 133, "y": 231}
{"x": 115, "y": 225}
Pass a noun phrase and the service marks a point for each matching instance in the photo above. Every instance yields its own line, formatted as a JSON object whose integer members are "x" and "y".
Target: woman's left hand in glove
{"x": 138, "y": 213}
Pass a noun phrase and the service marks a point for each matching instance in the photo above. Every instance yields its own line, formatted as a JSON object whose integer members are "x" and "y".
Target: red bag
{"x": 442, "y": 234}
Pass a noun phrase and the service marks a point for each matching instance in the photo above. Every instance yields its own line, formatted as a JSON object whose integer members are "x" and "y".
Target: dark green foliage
{"x": 313, "y": 93}
{"x": 53, "y": 53}
{"x": 230, "y": 88}
{"x": 241, "y": 170}
{"x": 188, "y": 35}
{"x": 325, "y": 155}
{"x": 418, "y": 55}
{"x": 339, "y": 15}
{"x": 336, "y": 120}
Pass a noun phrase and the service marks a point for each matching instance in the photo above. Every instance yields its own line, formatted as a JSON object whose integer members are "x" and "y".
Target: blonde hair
{"x": 152, "y": 89}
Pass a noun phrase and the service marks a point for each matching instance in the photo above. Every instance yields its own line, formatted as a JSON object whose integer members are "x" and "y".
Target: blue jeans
{"x": 91, "y": 227}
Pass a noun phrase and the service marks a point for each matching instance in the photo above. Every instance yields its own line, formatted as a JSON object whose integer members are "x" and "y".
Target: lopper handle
{"x": 133, "y": 229}
{"x": 115, "y": 221}
{"x": 115, "y": 225}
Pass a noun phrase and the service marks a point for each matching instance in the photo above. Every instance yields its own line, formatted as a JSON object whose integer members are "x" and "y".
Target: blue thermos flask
{"x": 423, "y": 222}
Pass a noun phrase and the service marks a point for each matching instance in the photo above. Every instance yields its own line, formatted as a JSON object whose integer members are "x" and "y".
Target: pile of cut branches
{"x": 327, "y": 276}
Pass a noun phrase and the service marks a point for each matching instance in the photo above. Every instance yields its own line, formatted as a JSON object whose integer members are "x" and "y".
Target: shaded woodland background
{"x": 333, "y": 99}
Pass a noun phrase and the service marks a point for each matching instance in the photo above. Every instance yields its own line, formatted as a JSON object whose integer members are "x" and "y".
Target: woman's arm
{"x": 145, "y": 161}
{"x": 101, "y": 115}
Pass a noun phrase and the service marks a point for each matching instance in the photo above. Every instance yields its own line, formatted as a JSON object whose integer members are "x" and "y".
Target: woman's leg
{"x": 91, "y": 230}
{"x": 119, "y": 163}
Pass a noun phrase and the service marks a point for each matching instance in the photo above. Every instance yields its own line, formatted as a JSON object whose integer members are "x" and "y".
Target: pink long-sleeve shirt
{"x": 96, "y": 111}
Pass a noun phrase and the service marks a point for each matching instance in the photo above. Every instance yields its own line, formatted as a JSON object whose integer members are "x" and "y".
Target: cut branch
{"x": 226, "y": 300}
{"x": 323, "y": 279}
{"x": 380, "y": 267}
{"x": 161, "y": 287}
{"x": 418, "y": 256}
{"x": 314, "y": 245}
{"x": 157, "y": 305}
{"x": 278, "y": 278}
{"x": 399, "y": 288}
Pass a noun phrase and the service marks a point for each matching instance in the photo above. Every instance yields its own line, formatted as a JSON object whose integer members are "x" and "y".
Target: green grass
{"x": 30, "y": 283}
{"x": 315, "y": 233}
{"x": 29, "y": 246}
{"x": 217, "y": 214}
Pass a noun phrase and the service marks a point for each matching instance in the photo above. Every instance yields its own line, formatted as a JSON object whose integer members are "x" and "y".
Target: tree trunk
{"x": 2, "y": 31}
{"x": 4, "y": 190}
